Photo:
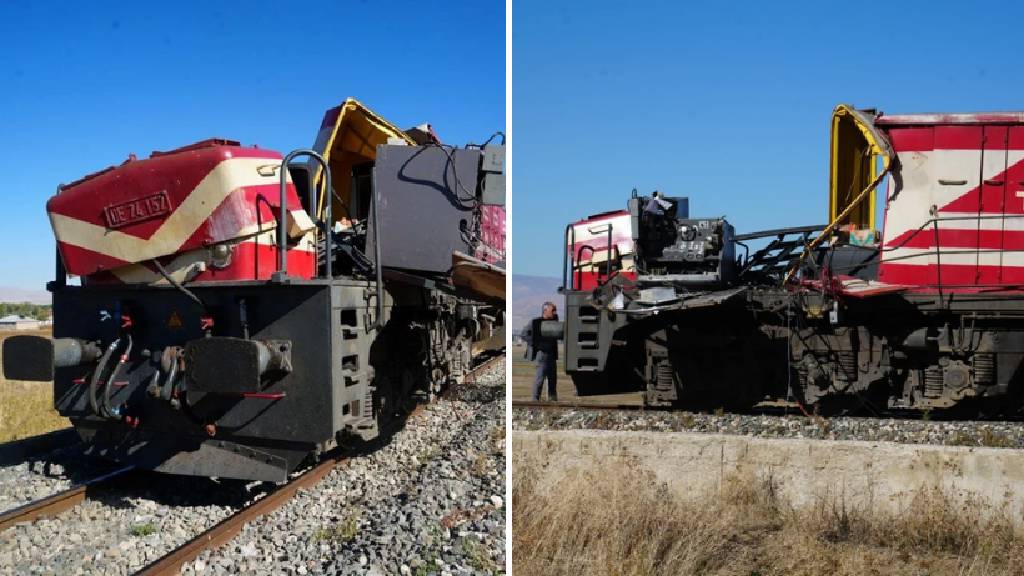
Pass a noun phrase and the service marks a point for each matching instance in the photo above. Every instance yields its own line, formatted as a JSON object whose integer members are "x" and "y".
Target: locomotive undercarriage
{"x": 191, "y": 395}
{"x": 887, "y": 354}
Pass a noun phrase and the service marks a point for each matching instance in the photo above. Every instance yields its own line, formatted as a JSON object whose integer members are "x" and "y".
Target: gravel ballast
{"x": 46, "y": 474}
{"x": 907, "y": 431}
{"x": 430, "y": 501}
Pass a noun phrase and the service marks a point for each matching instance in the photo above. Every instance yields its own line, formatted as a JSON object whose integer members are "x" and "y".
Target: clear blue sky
{"x": 727, "y": 103}
{"x": 83, "y": 84}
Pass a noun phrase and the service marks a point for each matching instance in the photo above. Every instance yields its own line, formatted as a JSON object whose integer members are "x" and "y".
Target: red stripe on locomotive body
{"x": 957, "y": 137}
{"x": 956, "y": 278}
{"x": 592, "y": 280}
{"x": 966, "y": 137}
{"x": 76, "y": 254}
{"x": 915, "y": 139}
{"x": 249, "y": 261}
{"x": 252, "y": 261}
{"x": 960, "y": 239}
{"x": 257, "y": 205}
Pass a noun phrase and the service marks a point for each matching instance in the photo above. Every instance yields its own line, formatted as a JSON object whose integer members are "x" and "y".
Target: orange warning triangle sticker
{"x": 175, "y": 320}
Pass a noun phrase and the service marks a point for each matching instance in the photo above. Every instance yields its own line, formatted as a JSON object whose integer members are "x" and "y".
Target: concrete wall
{"x": 864, "y": 474}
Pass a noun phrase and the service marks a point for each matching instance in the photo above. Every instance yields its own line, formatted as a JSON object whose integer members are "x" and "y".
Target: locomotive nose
{"x": 34, "y": 358}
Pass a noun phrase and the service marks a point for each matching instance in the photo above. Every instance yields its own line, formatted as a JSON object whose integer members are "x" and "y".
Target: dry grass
{"x": 618, "y": 521}
{"x": 26, "y": 408}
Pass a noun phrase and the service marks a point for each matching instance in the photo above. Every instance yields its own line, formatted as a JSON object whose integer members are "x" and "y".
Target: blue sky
{"x": 727, "y": 103}
{"x": 84, "y": 84}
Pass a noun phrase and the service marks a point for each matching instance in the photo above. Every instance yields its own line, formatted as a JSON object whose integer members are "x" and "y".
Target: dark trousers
{"x": 546, "y": 369}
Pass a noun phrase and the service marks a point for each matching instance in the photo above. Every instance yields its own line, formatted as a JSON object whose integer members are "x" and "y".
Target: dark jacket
{"x": 538, "y": 343}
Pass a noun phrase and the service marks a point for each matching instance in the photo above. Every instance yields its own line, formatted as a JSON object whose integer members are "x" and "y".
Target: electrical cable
{"x": 113, "y": 374}
{"x": 493, "y": 136}
{"x": 98, "y": 374}
{"x": 470, "y": 196}
{"x": 191, "y": 295}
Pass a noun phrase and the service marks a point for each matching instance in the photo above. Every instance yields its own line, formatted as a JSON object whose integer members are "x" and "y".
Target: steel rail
{"x": 565, "y": 405}
{"x": 225, "y": 530}
{"x": 760, "y": 410}
{"x": 56, "y": 503}
{"x": 490, "y": 358}
{"x": 222, "y": 533}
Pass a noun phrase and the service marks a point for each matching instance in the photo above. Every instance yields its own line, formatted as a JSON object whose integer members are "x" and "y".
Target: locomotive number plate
{"x": 137, "y": 210}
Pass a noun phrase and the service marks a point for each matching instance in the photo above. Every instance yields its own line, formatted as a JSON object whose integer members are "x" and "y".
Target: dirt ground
{"x": 523, "y": 372}
{"x": 26, "y": 408}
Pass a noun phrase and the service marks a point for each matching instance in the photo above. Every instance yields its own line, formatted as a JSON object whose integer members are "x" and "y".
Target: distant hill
{"x": 527, "y": 295}
{"x": 11, "y": 294}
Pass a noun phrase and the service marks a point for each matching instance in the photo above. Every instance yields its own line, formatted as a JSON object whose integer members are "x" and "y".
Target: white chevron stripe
{"x": 964, "y": 257}
{"x": 225, "y": 178}
{"x": 933, "y": 179}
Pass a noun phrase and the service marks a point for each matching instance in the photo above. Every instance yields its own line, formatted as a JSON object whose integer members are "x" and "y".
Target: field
{"x": 614, "y": 520}
{"x": 523, "y": 372}
{"x": 26, "y": 408}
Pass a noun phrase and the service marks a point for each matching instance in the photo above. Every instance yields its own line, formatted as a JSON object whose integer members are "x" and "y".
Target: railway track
{"x": 541, "y": 404}
{"x": 224, "y": 530}
{"x": 59, "y": 502}
{"x": 172, "y": 563}
{"x": 761, "y": 410}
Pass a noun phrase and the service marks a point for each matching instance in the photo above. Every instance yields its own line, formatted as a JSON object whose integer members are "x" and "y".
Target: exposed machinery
{"x": 239, "y": 311}
{"x": 927, "y": 315}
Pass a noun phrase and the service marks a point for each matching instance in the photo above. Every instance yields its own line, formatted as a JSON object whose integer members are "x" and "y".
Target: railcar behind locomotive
{"x": 926, "y": 315}
{"x": 239, "y": 311}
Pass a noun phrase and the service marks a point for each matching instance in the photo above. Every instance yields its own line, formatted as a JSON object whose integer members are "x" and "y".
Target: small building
{"x": 15, "y": 322}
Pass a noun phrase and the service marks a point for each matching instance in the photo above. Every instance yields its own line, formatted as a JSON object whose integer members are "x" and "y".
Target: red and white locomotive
{"x": 926, "y": 314}
{"x": 239, "y": 311}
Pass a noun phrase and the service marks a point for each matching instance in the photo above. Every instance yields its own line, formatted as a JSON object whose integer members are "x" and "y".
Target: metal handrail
{"x": 567, "y": 255}
{"x": 572, "y": 257}
{"x": 282, "y": 228}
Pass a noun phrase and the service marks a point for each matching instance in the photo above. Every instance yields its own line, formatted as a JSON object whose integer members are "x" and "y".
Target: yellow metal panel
{"x": 354, "y": 139}
{"x": 853, "y": 175}
{"x": 856, "y": 148}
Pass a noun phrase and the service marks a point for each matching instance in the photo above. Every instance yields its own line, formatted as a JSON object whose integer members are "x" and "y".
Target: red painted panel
{"x": 916, "y": 139}
{"x": 492, "y": 233}
{"x": 86, "y": 261}
{"x": 175, "y": 175}
{"x": 249, "y": 261}
{"x": 955, "y": 279}
{"x": 958, "y": 137}
{"x": 591, "y": 280}
{"x": 961, "y": 238}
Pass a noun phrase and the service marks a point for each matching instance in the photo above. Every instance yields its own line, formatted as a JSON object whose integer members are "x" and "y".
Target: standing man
{"x": 545, "y": 353}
